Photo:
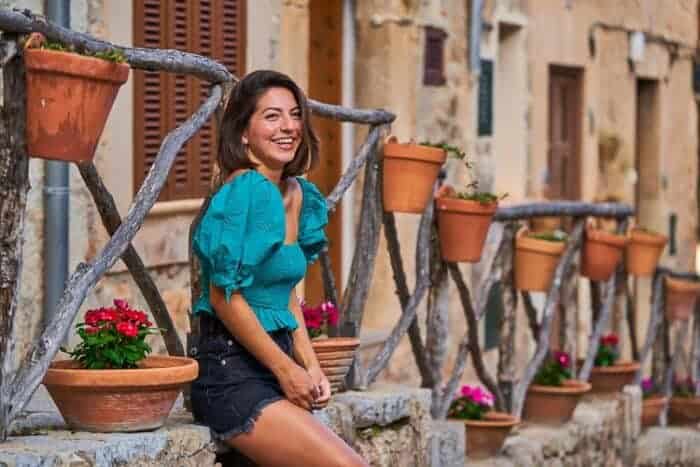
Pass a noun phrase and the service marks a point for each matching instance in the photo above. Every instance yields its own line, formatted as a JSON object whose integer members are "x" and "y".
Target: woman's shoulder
{"x": 312, "y": 198}
{"x": 240, "y": 187}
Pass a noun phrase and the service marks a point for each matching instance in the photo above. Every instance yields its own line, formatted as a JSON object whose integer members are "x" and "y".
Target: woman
{"x": 259, "y": 377}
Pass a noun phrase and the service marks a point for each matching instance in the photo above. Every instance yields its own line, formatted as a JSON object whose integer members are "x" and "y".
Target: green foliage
{"x": 452, "y": 151}
{"x": 551, "y": 236}
{"x": 606, "y": 356}
{"x": 467, "y": 410}
{"x": 107, "y": 348}
{"x": 555, "y": 370}
{"x": 111, "y": 55}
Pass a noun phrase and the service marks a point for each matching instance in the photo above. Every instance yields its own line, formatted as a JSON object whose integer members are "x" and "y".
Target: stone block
{"x": 446, "y": 444}
{"x": 384, "y": 404}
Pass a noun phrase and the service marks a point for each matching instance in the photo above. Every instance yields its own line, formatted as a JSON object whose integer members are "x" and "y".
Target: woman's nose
{"x": 288, "y": 123}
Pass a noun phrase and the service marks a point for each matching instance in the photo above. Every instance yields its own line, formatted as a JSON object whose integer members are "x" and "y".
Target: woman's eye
{"x": 296, "y": 115}
{"x": 270, "y": 117}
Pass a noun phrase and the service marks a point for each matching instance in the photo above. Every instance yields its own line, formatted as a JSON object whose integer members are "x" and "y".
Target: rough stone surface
{"x": 446, "y": 444}
{"x": 666, "y": 447}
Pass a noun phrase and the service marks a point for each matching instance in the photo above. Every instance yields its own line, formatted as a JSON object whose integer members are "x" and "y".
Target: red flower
{"x": 563, "y": 359}
{"x": 121, "y": 304}
{"x": 91, "y": 329}
{"x": 138, "y": 317}
{"x": 127, "y": 329}
{"x": 332, "y": 314}
{"x": 313, "y": 317}
{"x": 610, "y": 340}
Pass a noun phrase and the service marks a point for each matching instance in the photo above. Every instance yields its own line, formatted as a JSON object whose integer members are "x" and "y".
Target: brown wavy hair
{"x": 241, "y": 105}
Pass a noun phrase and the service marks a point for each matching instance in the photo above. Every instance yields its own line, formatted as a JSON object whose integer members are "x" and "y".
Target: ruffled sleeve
{"x": 239, "y": 230}
{"x": 312, "y": 221}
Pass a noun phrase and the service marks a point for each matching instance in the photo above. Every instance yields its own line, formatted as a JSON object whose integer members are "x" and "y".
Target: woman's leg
{"x": 286, "y": 435}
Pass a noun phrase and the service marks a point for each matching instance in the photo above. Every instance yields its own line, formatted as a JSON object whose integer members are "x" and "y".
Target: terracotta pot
{"x": 463, "y": 226}
{"x": 684, "y": 411}
{"x": 553, "y": 405}
{"x": 118, "y": 400}
{"x": 335, "y": 355}
{"x": 611, "y": 379}
{"x": 651, "y": 409}
{"x": 535, "y": 262}
{"x": 602, "y": 251}
{"x": 69, "y": 97}
{"x": 545, "y": 223}
{"x": 643, "y": 252}
{"x": 410, "y": 171}
{"x": 486, "y": 437}
{"x": 680, "y": 298}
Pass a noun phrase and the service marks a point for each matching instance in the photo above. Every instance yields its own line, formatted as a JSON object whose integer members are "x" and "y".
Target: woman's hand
{"x": 298, "y": 386}
{"x": 323, "y": 387}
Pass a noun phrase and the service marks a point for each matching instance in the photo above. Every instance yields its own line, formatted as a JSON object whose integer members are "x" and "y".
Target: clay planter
{"x": 602, "y": 251}
{"x": 118, "y": 400}
{"x": 553, "y": 405}
{"x": 611, "y": 379}
{"x": 335, "y": 355}
{"x": 680, "y": 298}
{"x": 463, "y": 226}
{"x": 486, "y": 437}
{"x": 535, "y": 262}
{"x": 643, "y": 252}
{"x": 69, "y": 97}
{"x": 684, "y": 411}
{"x": 410, "y": 171}
{"x": 651, "y": 409}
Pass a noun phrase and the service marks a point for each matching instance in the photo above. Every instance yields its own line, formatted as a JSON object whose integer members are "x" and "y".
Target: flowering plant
{"x": 684, "y": 387}
{"x": 318, "y": 318}
{"x": 471, "y": 403}
{"x": 555, "y": 370}
{"x": 112, "y": 337}
{"x": 608, "y": 352}
{"x": 648, "y": 388}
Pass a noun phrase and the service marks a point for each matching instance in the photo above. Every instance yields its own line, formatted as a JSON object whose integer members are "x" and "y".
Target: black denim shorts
{"x": 233, "y": 387}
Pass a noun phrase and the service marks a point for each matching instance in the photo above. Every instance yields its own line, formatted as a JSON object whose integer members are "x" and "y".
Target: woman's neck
{"x": 274, "y": 175}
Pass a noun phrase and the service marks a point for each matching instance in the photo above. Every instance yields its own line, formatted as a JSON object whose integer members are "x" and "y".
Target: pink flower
{"x": 477, "y": 395}
{"x": 127, "y": 329}
{"x": 313, "y": 317}
{"x": 121, "y": 304}
{"x": 332, "y": 314}
{"x": 563, "y": 359}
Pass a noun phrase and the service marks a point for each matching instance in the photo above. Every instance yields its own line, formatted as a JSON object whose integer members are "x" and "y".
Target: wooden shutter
{"x": 434, "y": 60}
{"x": 214, "y": 28}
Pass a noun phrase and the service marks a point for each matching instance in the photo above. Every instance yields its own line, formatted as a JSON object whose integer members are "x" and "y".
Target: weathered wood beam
{"x": 112, "y": 220}
{"x": 551, "y": 303}
{"x": 655, "y": 321}
{"x": 531, "y": 313}
{"x": 86, "y": 276}
{"x": 14, "y": 185}
{"x": 507, "y": 364}
{"x": 562, "y": 208}
{"x": 569, "y": 330}
{"x": 678, "y": 352}
{"x": 599, "y": 328}
{"x": 631, "y": 312}
{"x": 437, "y": 319}
{"x": 404, "y": 296}
{"x": 696, "y": 347}
{"x": 473, "y": 333}
{"x": 408, "y": 315}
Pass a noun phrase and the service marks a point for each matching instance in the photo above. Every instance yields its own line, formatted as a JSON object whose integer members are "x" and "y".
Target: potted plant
{"x": 409, "y": 174}
{"x": 110, "y": 384}
{"x": 69, "y": 96}
{"x": 536, "y": 258}
{"x": 464, "y": 217}
{"x": 643, "y": 251}
{"x": 553, "y": 396}
{"x": 684, "y": 408}
{"x": 602, "y": 251}
{"x": 334, "y": 354}
{"x": 609, "y": 375}
{"x": 485, "y": 429}
{"x": 680, "y": 297}
{"x": 652, "y": 403}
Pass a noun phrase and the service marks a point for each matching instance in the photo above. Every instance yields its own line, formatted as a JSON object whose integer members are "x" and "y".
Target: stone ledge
{"x": 667, "y": 447}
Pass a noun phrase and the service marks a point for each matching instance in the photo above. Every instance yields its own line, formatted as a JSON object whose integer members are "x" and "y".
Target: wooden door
{"x": 564, "y": 164}
{"x": 325, "y": 73}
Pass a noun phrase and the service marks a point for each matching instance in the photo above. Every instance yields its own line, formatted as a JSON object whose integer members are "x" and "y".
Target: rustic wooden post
{"x": 14, "y": 185}
{"x": 507, "y": 369}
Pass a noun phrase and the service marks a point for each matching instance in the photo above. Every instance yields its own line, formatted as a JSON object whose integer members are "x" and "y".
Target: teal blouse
{"x": 240, "y": 245}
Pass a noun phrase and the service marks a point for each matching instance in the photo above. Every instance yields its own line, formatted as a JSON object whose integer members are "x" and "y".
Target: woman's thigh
{"x": 286, "y": 435}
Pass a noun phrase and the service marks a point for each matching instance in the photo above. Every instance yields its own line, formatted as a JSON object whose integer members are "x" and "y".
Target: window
{"x": 485, "y": 110}
{"x": 494, "y": 315}
{"x": 434, "y": 60}
{"x": 213, "y": 28}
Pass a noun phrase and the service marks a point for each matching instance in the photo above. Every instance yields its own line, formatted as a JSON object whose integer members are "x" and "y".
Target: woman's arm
{"x": 242, "y": 323}
{"x": 303, "y": 352}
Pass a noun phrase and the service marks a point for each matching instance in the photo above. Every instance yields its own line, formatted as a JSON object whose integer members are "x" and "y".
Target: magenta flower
{"x": 477, "y": 395}
{"x": 563, "y": 359}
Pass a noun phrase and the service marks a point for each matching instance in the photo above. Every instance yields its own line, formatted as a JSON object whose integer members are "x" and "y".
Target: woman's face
{"x": 274, "y": 131}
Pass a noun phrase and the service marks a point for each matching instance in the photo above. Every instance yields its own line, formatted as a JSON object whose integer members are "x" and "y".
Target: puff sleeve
{"x": 312, "y": 222}
{"x": 237, "y": 232}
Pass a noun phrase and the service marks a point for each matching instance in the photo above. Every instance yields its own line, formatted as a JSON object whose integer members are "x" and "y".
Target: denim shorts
{"x": 233, "y": 387}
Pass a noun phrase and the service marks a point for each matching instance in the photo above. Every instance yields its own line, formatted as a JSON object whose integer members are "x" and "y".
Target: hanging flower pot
{"x": 602, "y": 251}
{"x": 536, "y": 258}
{"x": 684, "y": 411}
{"x": 463, "y": 225}
{"x": 335, "y": 355}
{"x": 410, "y": 171}
{"x": 553, "y": 405}
{"x": 651, "y": 409}
{"x": 680, "y": 298}
{"x": 118, "y": 400}
{"x": 69, "y": 97}
{"x": 643, "y": 251}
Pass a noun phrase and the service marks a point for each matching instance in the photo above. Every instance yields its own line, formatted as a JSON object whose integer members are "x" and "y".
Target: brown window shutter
{"x": 434, "y": 60}
{"x": 213, "y": 28}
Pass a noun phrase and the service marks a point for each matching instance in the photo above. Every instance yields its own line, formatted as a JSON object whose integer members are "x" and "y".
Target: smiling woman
{"x": 259, "y": 377}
